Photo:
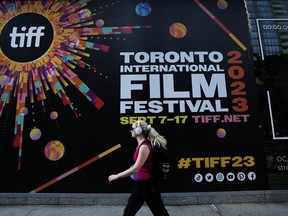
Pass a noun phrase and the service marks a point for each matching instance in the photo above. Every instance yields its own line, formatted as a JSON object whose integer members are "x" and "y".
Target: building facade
{"x": 74, "y": 77}
{"x": 268, "y": 22}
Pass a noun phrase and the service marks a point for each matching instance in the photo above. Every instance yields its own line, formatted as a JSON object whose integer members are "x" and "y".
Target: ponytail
{"x": 152, "y": 135}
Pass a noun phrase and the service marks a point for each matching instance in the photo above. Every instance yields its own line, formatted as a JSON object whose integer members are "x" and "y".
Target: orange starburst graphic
{"x": 28, "y": 78}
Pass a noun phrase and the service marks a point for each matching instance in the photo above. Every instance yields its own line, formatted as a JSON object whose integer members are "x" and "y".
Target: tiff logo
{"x": 33, "y": 32}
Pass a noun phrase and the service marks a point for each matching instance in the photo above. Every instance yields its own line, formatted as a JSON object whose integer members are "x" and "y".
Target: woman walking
{"x": 145, "y": 190}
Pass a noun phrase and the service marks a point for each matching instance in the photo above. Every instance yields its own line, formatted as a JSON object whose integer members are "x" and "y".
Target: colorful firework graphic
{"x": 67, "y": 27}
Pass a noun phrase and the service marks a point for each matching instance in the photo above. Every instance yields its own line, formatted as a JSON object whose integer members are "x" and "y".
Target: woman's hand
{"x": 112, "y": 178}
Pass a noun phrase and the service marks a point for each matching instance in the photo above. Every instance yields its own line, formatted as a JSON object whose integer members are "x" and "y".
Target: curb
{"x": 197, "y": 198}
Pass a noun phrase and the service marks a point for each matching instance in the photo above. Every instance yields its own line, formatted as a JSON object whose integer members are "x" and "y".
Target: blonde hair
{"x": 151, "y": 134}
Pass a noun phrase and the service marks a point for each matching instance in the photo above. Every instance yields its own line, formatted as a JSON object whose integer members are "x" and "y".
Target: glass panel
{"x": 269, "y": 38}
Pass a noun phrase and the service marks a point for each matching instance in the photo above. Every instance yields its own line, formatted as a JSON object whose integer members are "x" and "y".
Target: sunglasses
{"x": 132, "y": 128}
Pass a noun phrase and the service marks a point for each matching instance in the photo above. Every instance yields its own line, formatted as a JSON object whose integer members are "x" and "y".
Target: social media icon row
{"x": 220, "y": 177}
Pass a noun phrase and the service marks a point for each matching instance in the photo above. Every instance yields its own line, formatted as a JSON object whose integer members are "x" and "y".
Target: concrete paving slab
{"x": 247, "y": 209}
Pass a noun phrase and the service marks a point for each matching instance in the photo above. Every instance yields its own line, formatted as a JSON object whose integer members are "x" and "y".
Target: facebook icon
{"x": 251, "y": 176}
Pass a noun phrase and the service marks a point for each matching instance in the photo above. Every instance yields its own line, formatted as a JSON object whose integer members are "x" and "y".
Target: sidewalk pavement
{"x": 246, "y": 209}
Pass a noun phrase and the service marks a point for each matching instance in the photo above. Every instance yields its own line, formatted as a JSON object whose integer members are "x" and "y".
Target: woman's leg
{"x": 135, "y": 201}
{"x": 154, "y": 200}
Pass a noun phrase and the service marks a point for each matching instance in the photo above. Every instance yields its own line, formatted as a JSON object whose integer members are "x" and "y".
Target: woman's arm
{"x": 141, "y": 159}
